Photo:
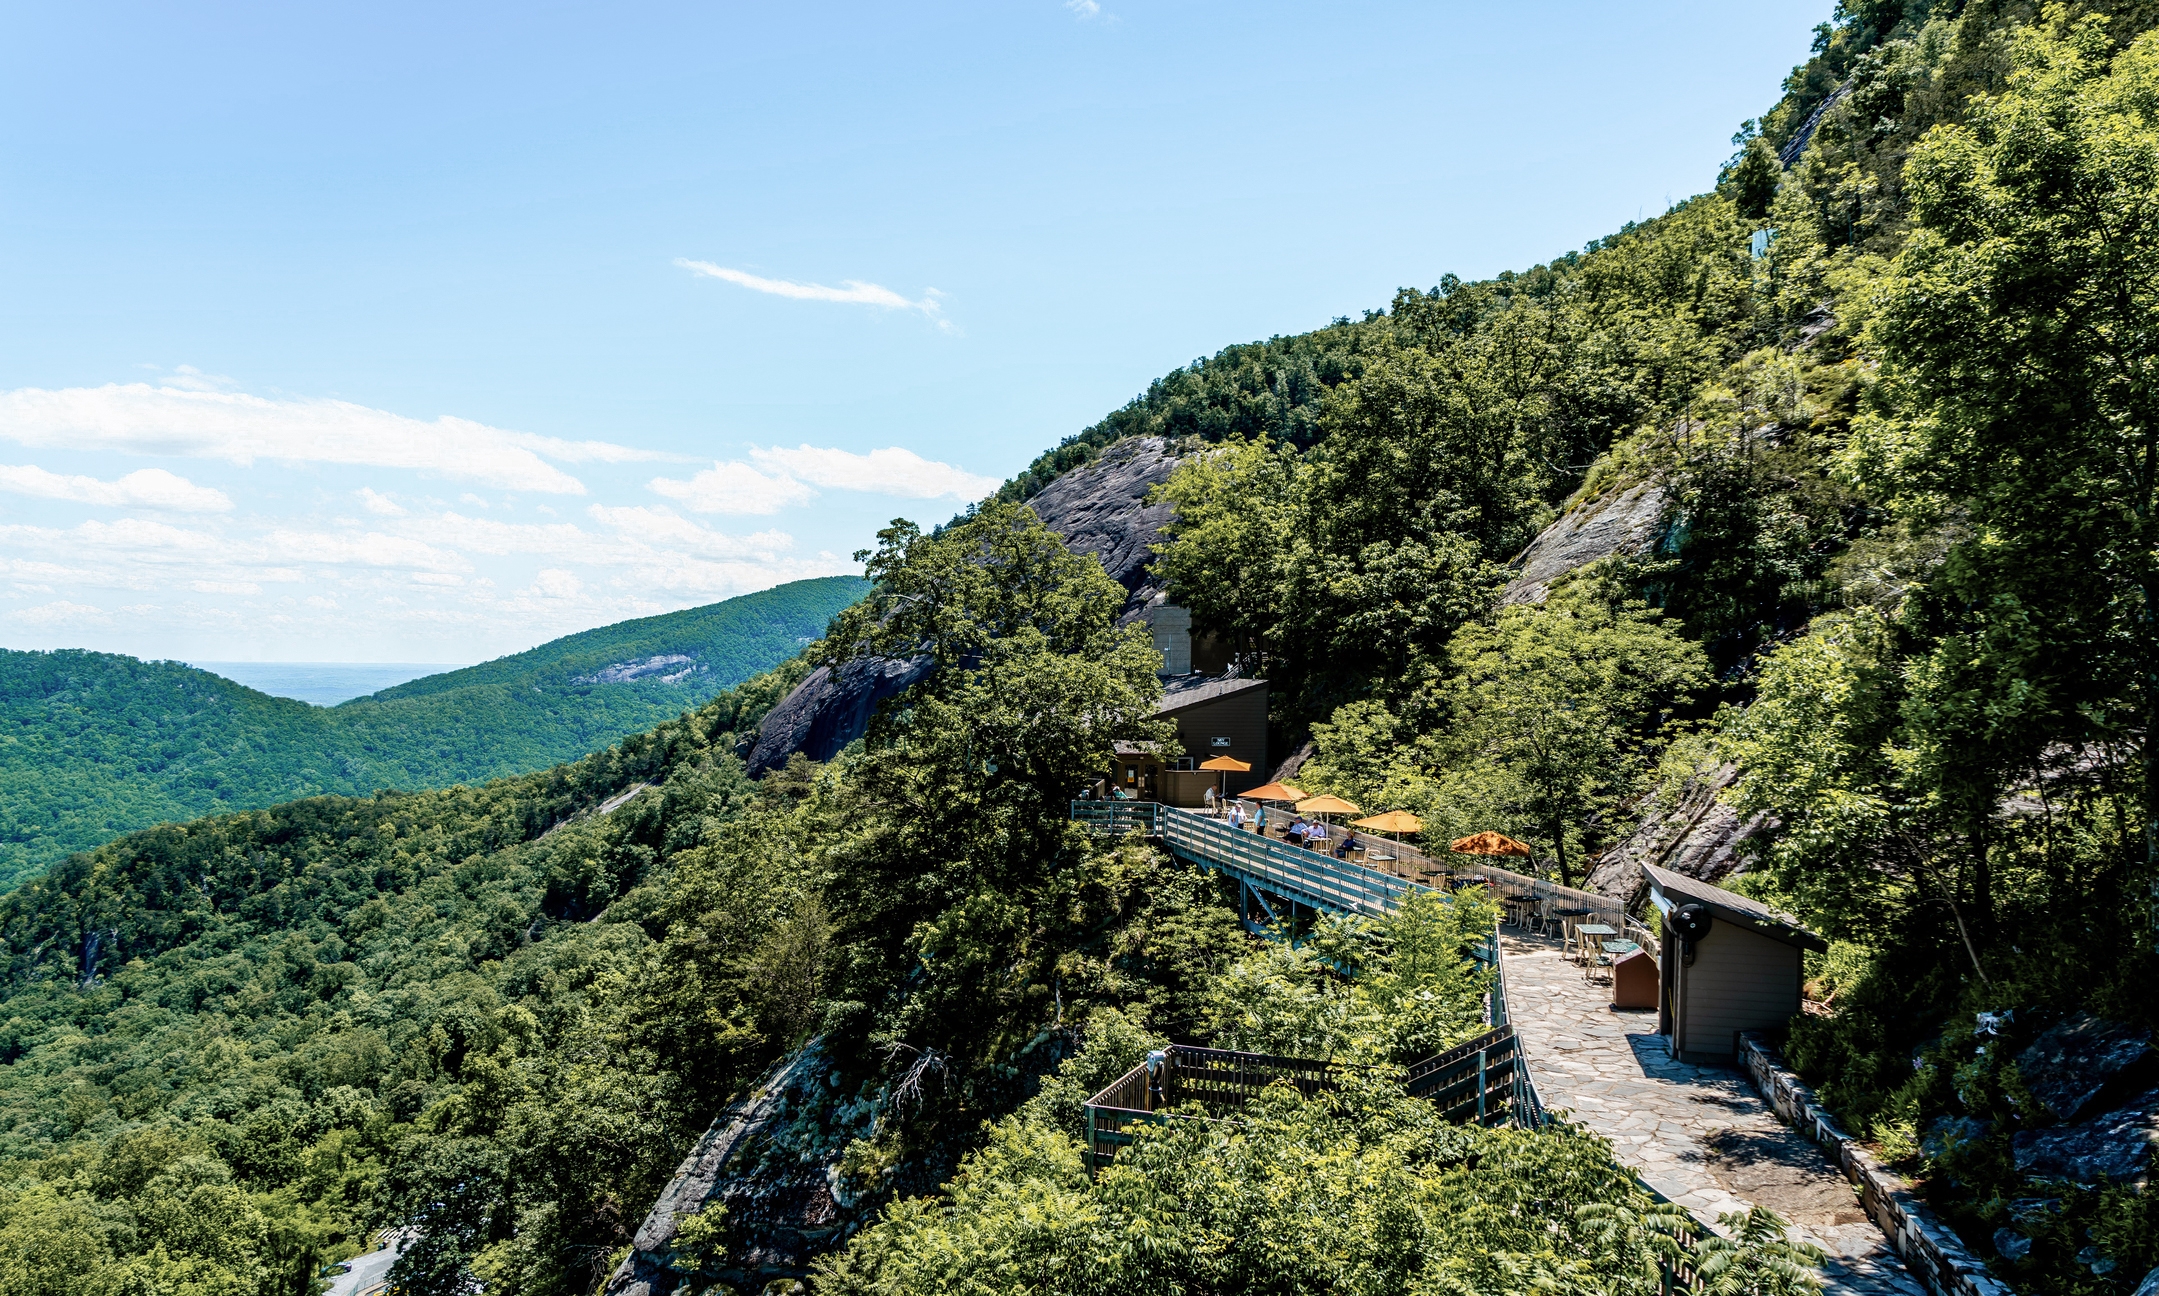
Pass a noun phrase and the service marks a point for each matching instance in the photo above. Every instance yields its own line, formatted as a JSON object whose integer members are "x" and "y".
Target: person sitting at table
{"x": 1349, "y": 843}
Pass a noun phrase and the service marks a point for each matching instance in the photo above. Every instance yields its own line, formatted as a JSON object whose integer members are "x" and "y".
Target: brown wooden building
{"x": 1215, "y": 715}
{"x": 1744, "y": 975}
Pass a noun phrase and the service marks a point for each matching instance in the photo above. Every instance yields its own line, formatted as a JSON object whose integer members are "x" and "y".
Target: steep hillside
{"x": 95, "y": 744}
{"x": 1806, "y": 535}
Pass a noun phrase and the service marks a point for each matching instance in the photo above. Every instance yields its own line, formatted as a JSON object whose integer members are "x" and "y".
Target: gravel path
{"x": 1698, "y": 1134}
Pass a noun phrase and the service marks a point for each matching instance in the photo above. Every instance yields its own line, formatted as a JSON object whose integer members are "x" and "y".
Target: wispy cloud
{"x": 151, "y": 488}
{"x": 63, "y": 613}
{"x": 1084, "y": 9}
{"x": 375, "y": 502}
{"x": 850, "y": 290}
{"x": 777, "y": 477}
{"x": 137, "y": 418}
{"x": 890, "y": 471}
{"x": 733, "y": 487}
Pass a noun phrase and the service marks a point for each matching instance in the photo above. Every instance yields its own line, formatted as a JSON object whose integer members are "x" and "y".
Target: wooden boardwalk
{"x": 1698, "y": 1134}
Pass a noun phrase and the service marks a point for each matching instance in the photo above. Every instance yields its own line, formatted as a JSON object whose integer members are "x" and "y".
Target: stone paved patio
{"x": 1698, "y": 1134}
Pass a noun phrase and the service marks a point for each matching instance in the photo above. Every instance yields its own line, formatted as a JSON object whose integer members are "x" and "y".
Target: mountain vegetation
{"x": 95, "y": 744}
{"x": 1889, "y": 385}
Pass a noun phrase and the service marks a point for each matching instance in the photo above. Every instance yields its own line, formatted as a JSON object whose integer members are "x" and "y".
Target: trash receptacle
{"x": 1634, "y": 981}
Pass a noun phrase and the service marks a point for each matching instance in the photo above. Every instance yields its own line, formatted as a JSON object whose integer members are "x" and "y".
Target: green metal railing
{"x": 1307, "y": 877}
{"x": 1482, "y": 1081}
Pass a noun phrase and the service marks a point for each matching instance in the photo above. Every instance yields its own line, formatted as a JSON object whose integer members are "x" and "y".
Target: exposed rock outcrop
{"x": 1697, "y": 835}
{"x": 1626, "y": 523}
{"x": 1102, "y": 509}
{"x": 2072, "y": 1063}
{"x": 769, "y": 1161}
{"x": 670, "y": 668}
{"x": 2116, "y": 1146}
{"x": 829, "y": 710}
{"x": 1099, "y": 509}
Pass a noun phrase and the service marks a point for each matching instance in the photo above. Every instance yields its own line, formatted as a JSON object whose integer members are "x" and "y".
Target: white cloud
{"x": 777, "y": 478}
{"x": 224, "y": 587}
{"x": 363, "y": 549}
{"x": 1084, "y": 9}
{"x": 137, "y": 418}
{"x": 890, "y": 471}
{"x": 151, "y": 488}
{"x": 733, "y": 487}
{"x": 377, "y": 503}
{"x": 63, "y": 613}
{"x": 655, "y": 528}
{"x": 557, "y": 583}
{"x": 850, "y": 290}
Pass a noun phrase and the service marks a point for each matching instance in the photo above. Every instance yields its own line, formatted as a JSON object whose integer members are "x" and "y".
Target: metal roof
{"x": 1181, "y": 691}
{"x": 1734, "y": 908}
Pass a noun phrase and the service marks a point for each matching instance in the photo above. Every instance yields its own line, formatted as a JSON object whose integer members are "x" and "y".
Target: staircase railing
{"x": 1482, "y": 1081}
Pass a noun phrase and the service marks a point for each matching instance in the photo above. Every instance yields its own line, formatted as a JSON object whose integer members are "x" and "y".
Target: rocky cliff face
{"x": 1625, "y": 523}
{"x": 829, "y": 710}
{"x": 1100, "y": 509}
{"x": 771, "y": 1164}
{"x": 1697, "y": 835}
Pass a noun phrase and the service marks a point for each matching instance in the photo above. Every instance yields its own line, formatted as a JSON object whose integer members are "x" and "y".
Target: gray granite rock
{"x": 2150, "y": 1285}
{"x": 829, "y": 710}
{"x": 781, "y": 1211}
{"x": 2115, "y": 1146}
{"x": 1949, "y": 1133}
{"x": 1697, "y": 835}
{"x": 1624, "y": 523}
{"x": 1100, "y": 509}
{"x": 2011, "y": 1245}
{"x": 2068, "y": 1066}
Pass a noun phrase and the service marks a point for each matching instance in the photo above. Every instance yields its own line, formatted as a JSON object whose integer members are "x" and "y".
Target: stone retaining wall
{"x": 1933, "y": 1253}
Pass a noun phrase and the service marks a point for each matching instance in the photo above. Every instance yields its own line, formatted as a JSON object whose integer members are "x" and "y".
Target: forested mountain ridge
{"x": 96, "y": 744}
{"x": 1891, "y": 402}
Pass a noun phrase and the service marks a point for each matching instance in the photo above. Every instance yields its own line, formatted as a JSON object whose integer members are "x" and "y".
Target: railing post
{"x": 1482, "y": 1081}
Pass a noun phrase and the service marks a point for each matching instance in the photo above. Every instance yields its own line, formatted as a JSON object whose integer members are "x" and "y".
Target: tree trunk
{"x": 1559, "y": 852}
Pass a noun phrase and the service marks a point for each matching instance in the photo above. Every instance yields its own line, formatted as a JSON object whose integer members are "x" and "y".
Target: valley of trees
{"x": 1891, "y": 385}
{"x": 94, "y": 744}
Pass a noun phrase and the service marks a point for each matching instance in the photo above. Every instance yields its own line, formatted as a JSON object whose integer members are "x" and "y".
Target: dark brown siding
{"x": 1241, "y": 718}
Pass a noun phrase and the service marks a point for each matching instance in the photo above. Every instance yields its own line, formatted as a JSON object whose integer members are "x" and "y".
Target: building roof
{"x": 1733, "y": 908}
{"x": 1181, "y": 691}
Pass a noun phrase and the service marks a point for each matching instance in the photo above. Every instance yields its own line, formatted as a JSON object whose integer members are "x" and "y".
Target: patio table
{"x": 1584, "y": 931}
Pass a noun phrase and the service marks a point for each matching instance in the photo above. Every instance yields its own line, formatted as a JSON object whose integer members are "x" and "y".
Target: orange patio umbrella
{"x": 1325, "y": 805}
{"x": 1489, "y": 843}
{"x": 1394, "y": 821}
{"x": 1274, "y": 792}
{"x": 1228, "y": 765}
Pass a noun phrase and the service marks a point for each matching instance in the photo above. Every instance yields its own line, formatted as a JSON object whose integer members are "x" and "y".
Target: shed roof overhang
{"x": 1671, "y": 889}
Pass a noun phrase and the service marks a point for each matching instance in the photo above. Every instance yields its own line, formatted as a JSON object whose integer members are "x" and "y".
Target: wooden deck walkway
{"x": 1698, "y": 1134}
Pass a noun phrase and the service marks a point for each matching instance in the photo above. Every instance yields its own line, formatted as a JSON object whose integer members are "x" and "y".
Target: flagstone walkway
{"x": 1698, "y": 1134}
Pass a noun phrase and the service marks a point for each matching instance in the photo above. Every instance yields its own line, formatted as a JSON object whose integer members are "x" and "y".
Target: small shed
{"x": 1741, "y": 971}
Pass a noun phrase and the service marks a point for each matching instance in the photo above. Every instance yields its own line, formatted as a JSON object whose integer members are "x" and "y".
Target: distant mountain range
{"x": 96, "y": 744}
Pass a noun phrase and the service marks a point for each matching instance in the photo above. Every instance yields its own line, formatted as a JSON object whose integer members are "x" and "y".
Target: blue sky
{"x": 403, "y": 332}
